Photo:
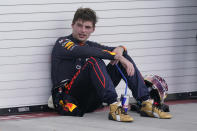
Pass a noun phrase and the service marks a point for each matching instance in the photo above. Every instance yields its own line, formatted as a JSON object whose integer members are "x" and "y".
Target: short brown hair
{"x": 85, "y": 14}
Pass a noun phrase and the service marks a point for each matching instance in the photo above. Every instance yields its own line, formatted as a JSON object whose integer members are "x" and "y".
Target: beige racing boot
{"x": 117, "y": 113}
{"x": 148, "y": 109}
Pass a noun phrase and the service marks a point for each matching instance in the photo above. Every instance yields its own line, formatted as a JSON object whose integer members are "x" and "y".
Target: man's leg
{"x": 139, "y": 90}
{"x": 93, "y": 81}
{"x": 135, "y": 82}
{"x": 93, "y": 77}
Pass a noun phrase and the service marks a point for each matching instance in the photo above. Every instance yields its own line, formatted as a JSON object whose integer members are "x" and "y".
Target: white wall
{"x": 159, "y": 34}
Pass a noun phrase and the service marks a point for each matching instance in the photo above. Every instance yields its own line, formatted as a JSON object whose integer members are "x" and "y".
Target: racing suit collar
{"x": 76, "y": 41}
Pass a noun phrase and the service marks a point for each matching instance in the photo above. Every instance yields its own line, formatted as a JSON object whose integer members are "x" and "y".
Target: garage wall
{"x": 159, "y": 34}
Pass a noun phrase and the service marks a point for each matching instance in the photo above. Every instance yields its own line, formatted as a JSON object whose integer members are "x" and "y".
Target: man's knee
{"x": 95, "y": 60}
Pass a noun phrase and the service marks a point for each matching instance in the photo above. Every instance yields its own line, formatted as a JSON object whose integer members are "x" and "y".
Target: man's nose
{"x": 83, "y": 29}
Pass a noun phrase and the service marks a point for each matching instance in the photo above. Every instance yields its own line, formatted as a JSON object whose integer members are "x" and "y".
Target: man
{"x": 89, "y": 82}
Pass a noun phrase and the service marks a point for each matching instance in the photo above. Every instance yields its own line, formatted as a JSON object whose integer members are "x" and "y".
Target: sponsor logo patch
{"x": 67, "y": 44}
{"x": 111, "y": 53}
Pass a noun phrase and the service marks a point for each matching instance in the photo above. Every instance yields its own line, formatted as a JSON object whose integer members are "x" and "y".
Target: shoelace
{"x": 120, "y": 110}
{"x": 156, "y": 108}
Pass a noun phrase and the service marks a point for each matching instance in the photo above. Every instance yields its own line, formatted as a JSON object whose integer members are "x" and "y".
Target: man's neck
{"x": 78, "y": 41}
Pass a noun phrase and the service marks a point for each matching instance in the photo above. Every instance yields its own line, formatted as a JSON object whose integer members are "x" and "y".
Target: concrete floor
{"x": 184, "y": 119}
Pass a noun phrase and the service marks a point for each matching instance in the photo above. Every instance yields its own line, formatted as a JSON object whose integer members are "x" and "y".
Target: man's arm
{"x": 120, "y": 50}
{"x": 68, "y": 50}
{"x": 126, "y": 64}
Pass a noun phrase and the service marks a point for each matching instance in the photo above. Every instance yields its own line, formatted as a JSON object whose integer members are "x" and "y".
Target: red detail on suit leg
{"x": 100, "y": 71}
{"x": 97, "y": 74}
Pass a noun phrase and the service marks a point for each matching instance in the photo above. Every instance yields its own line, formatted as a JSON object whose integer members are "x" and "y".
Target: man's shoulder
{"x": 62, "y": 39}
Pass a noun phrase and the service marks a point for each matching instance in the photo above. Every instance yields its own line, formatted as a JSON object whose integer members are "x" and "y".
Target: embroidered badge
{"x": 68, "y": 44}
{"x": 111, "y": 53}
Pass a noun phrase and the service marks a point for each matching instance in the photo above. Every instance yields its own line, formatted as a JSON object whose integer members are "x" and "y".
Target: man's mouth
{"x": 82, "y": 35}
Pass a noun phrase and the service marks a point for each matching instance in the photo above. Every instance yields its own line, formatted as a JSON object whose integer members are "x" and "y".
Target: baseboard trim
{"x": 182, "y": 96}
{"x": 24, "y": 109}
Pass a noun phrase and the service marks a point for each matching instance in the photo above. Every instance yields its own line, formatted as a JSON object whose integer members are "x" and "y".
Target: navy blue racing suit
{"x": 91, "y": 80}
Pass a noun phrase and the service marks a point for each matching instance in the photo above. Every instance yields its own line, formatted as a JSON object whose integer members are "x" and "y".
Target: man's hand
{"x": 119, "y": 51}
{"x": 126, "y": 64}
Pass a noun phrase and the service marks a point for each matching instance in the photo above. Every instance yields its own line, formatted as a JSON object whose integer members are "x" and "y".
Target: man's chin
{"x": 82, "y": 39}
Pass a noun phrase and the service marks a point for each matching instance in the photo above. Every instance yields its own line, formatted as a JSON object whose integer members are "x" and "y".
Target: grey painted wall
{"x": 160, "y": 36}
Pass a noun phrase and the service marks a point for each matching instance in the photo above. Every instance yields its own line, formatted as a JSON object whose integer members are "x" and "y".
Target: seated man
{"x": 89, "y": 82}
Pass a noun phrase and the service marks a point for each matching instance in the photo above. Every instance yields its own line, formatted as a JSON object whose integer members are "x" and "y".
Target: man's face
{"x": 81, "y": 30}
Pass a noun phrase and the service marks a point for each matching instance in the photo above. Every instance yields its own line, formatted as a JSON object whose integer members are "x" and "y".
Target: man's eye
{"x": 88, "y": 27}
{"x": 79, "y": 25}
